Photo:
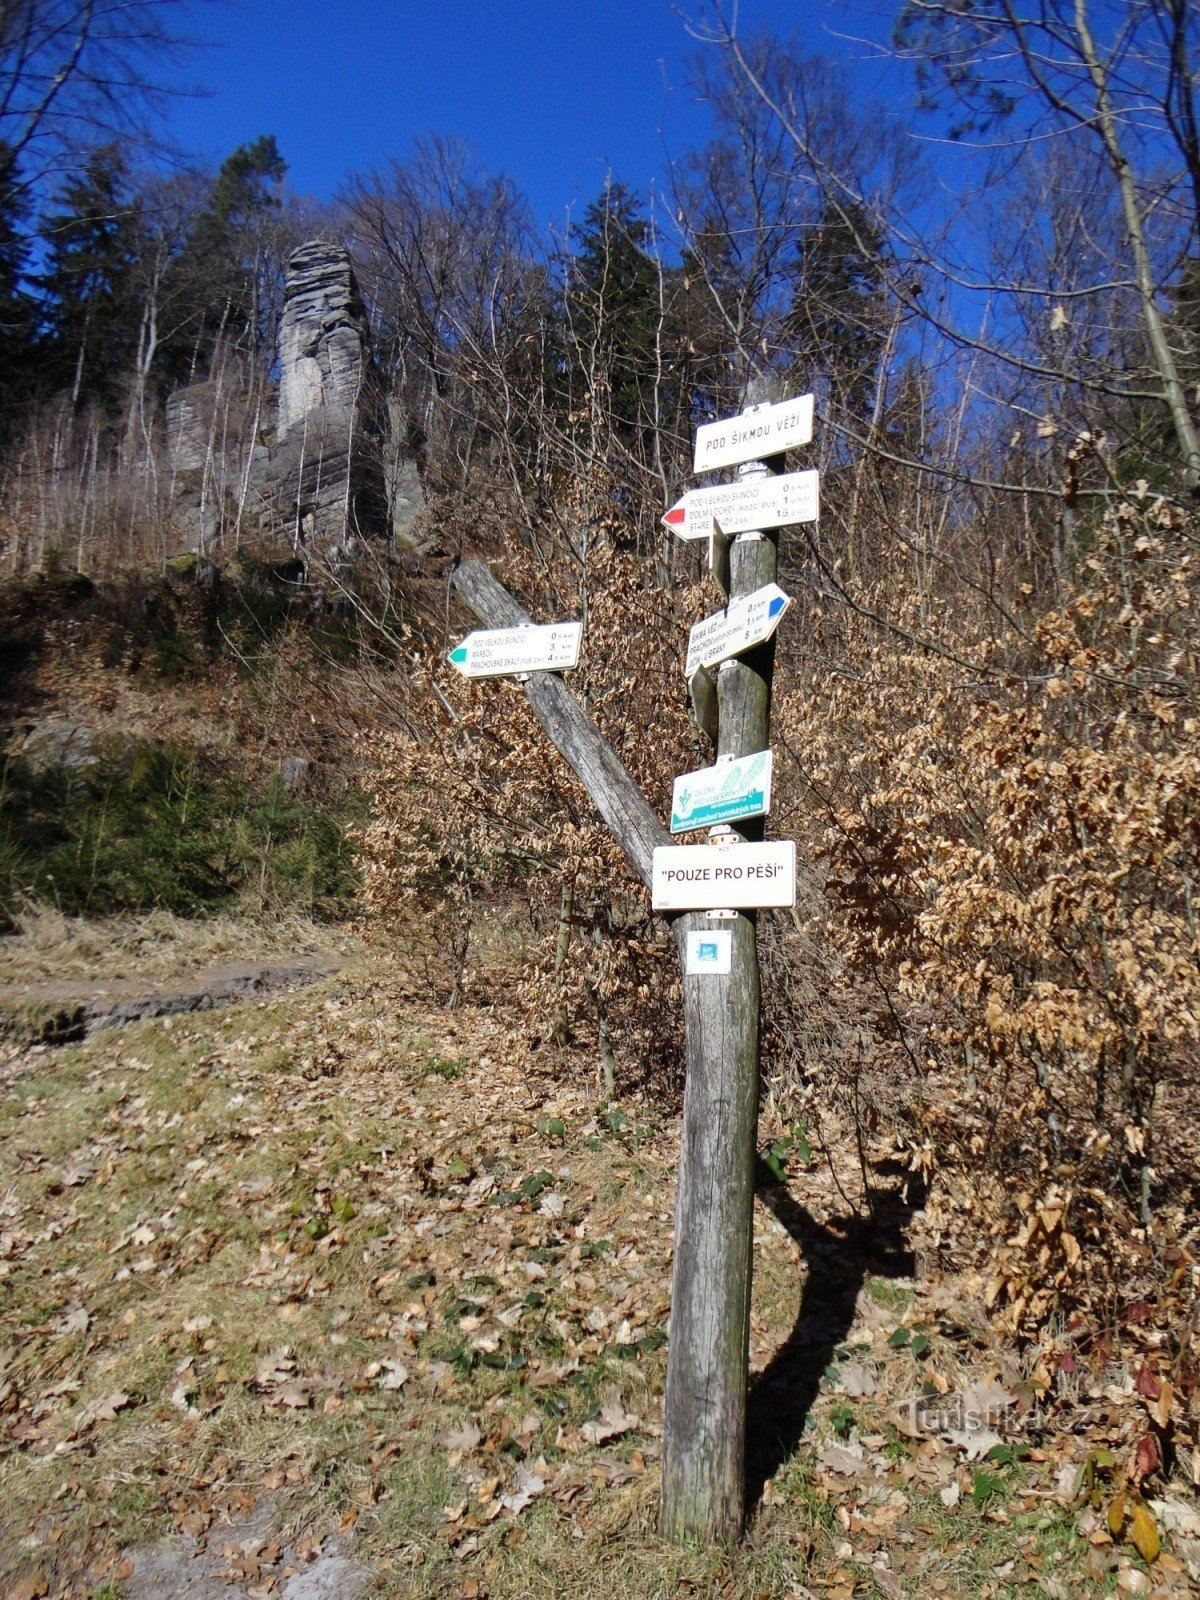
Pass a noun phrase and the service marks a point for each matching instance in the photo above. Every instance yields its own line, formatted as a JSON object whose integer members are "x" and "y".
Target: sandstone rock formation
{"x": 323, "y": 485}
{"x": 324, "y": 337}
{"x": 337, "y": 470}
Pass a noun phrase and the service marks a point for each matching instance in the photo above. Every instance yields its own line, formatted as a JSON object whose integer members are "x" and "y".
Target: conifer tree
{"x": 89, "y": 306}
{"x": 613, "y": 302}
{"x": 219, "y": 262}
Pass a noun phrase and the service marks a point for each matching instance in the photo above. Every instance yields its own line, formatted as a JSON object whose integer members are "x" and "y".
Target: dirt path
{"x": 63, "y": 1013}
{"x": 245, "y": 1556}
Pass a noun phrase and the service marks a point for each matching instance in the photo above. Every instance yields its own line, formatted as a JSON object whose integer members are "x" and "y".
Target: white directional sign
{"x": 743, "y": 623}
{"x": 499, "y": 652}
{"x": 738, "y": 507}
{"x": 706, "y": 877}
{"x": 725, "y": 793}
{"x": 755, "y": 434}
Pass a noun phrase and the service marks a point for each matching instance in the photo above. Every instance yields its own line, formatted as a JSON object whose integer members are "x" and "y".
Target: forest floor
{"x": 336, "y": 1292}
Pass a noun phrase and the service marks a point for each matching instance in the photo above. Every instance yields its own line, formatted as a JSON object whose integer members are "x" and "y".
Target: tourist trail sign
{"x": 764, "y": 431}
{"x": 728, "y": 792}
{"x": 708, "y": 877}
{"x": 743, "y": 623}
{"x": 709, "y": 953}
{"x": 500, "y": 652}
{"x": 755, "y": 503}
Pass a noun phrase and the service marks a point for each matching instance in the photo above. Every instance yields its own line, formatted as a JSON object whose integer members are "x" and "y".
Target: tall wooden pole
{"x": 704, "y": 1439}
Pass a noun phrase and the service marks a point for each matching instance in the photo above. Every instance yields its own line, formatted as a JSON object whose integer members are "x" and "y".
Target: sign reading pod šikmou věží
{"x": 755, "y": 435}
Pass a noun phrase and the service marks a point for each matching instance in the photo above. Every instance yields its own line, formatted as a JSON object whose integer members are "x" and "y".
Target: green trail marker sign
{"x": 728, "y": 792}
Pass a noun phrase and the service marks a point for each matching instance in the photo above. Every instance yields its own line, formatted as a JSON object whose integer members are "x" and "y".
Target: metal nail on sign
{"x": 499, "y": 652}
{"x": 756, "y": 503}
{"x": 705, "y": 877}
{"x": 744, "y": 623}
{"x": 728, "y": 792}
{"x": 766, "y": 431}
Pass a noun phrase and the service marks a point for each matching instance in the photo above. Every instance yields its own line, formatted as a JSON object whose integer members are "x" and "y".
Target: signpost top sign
{"x": 756, "y": 503}
{"x": 766, "y": 431}
{"x": 500, "y": 652}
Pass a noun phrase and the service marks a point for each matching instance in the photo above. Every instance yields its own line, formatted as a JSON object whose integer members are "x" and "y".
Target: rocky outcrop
{"x": 334, "y": 469}
{"x": 323, "y": 484}
{"x": 324, "y": 338}
{"x": 210, "y": 430}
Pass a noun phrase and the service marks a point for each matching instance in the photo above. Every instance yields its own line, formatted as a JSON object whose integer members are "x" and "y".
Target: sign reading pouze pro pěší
{"x": 706, "y": 877}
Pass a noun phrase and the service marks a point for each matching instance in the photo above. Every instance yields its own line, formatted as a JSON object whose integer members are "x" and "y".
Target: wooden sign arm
{"x": 570, "y": 730}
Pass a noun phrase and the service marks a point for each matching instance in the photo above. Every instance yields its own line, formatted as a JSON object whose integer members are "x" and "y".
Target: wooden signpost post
{"x": 715, "y": 891}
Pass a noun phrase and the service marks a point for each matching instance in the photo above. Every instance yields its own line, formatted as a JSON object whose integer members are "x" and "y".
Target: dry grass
{"x": 156, "y": 946}
{"x": 233, "y": 1222}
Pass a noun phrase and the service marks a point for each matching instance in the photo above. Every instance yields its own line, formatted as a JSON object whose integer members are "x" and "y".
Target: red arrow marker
{"x": 676, "y": 517}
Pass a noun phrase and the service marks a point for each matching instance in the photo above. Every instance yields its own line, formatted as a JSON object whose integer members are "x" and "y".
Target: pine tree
{"x": 17, "y": 311}
{"x": 89, "y": 305}
{"x": 219, "y": 261}
{"x": 835, "y": 318}
{"x": 613, "y": 303}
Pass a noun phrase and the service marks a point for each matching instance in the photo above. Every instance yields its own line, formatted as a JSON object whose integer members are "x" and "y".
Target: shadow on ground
{"x": 838, "y": 1256}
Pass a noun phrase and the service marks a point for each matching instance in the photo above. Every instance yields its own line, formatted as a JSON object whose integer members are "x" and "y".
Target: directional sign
{"x": 764, "y": 431}
{"x": 706, "y": 877}
{"x": 499, "y": 652}
{"x": 744, "y": 622}
{"x": 724, "y": 793}
{"x": 738, "y": 507}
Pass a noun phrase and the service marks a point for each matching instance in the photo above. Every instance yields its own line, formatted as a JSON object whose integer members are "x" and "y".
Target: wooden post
{"x": 705, "y": 1424}
{"x": 704, "y": 1438}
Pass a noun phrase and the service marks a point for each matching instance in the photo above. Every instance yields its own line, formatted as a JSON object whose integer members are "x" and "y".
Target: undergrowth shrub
{"x": 141, "y": 827}
{"x": 479, "y": 803}
{"x": 1013, "y": 836}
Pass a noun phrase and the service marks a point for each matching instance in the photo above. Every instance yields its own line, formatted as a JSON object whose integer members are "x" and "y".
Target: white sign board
{"x": 755, "y": 435}
{"x": 707, "y": 877}
{"x": 757, "y": 503}
{"x": 499, "y": 652}
{"x": 710, "y": 952}
{"x": 724, "y": 793}
{"x": 744, "y": 623}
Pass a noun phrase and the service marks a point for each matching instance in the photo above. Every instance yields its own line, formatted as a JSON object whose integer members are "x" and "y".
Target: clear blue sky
{"x": 552, "y": 92}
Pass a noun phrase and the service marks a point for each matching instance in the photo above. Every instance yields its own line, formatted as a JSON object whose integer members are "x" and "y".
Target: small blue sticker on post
{"x": 710, "y": 952}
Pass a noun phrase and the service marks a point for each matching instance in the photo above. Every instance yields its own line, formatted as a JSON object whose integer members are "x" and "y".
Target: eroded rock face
{"x": 323, "y": 484}
{"x": 190, "y": 415}
{"x": 324, "y": 337}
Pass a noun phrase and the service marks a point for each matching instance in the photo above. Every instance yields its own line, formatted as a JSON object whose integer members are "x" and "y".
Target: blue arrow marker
{"x": 776, "y": 606}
